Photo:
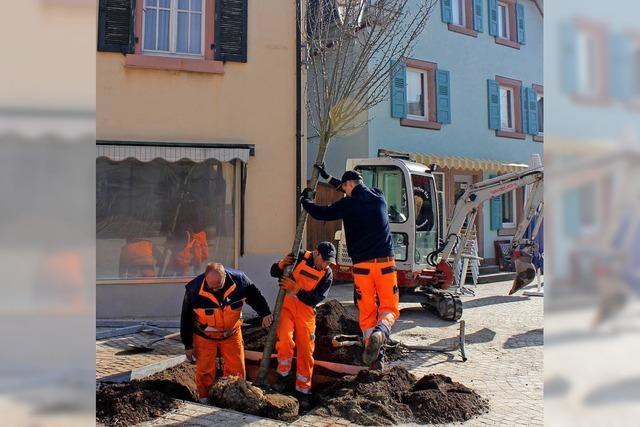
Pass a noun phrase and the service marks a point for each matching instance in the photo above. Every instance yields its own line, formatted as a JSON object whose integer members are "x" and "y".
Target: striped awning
{"x": 466, "y": 163}
{"x": 146, "y": 152}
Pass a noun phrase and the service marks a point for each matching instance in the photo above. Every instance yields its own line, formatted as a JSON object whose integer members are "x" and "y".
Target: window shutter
{"x": 447, "y": 11}
{"x": 520, "y": 22}
{"x": 493, "y": 17}
{"x": 398, "y": 89}
{"x": 115, "y": 26}
{"x": 443, "y": 96}
{"x": 570, "y": 214}
{"x": 569, "y": 57}
{"x": 230, "y": 39}
{"x": 477, "y": 16}
{"x": 493, "y": 100}
{"x": 621, "y": 75}
{"x": 524, "y": 103}
{"x": 495, "y": 211}
{"x": 532, "y": 100}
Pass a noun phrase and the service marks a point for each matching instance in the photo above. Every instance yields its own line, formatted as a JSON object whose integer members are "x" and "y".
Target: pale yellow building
{"x": 196, "y": 153}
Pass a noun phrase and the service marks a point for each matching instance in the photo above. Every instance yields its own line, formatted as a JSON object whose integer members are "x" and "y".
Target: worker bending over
{"x": 366, "y": 226}
{"x": 211, "y": 319}
{"x": 308, "y": 286}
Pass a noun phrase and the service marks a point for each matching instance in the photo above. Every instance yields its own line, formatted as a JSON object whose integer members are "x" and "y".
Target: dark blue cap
{"x": 327, "y": 251}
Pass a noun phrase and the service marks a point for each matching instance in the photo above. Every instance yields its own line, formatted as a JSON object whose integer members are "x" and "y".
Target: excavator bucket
{"x": 525, "y": 271}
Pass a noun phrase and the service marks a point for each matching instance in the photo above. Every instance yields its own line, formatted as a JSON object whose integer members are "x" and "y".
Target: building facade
{"x": 196, "y": 152}
{"x": 469, "y": 98}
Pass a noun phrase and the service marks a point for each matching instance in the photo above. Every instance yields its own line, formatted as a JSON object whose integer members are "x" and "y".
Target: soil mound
{"x": 178, "y": 382}
{"x": 332, "y": 318}
{"x": 394, "y": 396}
{"x": 129, "y": 404}
{"x": 240, "y": 395}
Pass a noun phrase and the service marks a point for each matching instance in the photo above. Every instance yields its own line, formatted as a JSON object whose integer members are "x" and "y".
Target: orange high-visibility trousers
{"x": 376, "y": 280}
{"x": 206, "y": 351}
{"x": 296, "y": 329}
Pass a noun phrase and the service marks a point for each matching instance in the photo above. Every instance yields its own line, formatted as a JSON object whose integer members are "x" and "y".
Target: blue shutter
{"x": 520, "y": 22}
{"x": 447, "y": 11}
{"x": 443, "y": 97}
{"x": 493, "y": 17}
{"x": 477, "y": 15}
{"x": 569, "y": 57}
{"x": 524, "y": 103}
{"x": 571, "y": 211}
{"x": 398, "y": 89}
{"x": 495, "y": 211}
{"x": 493, "y": 103}
{"x": 621, "y": 66}
{"x": 532, "y": 120}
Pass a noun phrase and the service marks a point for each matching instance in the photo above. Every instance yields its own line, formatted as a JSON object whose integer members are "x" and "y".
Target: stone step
{"x": 489, "y": 269}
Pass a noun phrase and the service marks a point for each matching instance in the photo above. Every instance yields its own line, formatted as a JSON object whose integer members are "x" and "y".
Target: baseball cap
{"x": 350, "y": 176}
{"x": 327, "y": 251}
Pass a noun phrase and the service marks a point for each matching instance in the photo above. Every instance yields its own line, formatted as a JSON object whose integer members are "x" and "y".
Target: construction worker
{"x": 211, "y": 319}
{"x": 366, "y": 226}
{"x": 308, "y": 286}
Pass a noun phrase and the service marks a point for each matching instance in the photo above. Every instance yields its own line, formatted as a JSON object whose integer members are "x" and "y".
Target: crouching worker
{"x": 307, "y": 287}
{"x": 211, "y": 319}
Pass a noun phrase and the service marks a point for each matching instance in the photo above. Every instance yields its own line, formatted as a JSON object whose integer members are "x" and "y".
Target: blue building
{"x": 469, "y": 98}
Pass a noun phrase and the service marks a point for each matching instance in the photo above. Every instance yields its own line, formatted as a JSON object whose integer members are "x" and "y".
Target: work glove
{"x": 323, "y": 172}
{"x": 288, "y": 260}
{"x": 307, "y": 194}
{"x": 288, "y": 284}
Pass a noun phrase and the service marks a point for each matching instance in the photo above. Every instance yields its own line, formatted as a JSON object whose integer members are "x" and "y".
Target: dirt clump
{"x": 240, "y": 395}
{"x": 332, "y": 318}
{"x": 129, "y": 404}
{"x": 178, "y": 382}
{"x": 394, "y": 396}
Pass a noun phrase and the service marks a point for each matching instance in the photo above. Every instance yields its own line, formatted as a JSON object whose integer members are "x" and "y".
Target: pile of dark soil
{"x": 178, "y": 382}
{"x": 332, "y": 319}
{"x": 394, "y": 396}
{"x": 129, "y": 404}
{"x": 240, "y": 395}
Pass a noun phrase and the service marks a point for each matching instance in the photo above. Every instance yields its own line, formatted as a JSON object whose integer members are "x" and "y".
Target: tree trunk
{"x": 295, "y": 250}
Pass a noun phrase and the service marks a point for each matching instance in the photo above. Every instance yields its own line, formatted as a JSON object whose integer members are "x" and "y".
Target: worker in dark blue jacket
{"x": 366, "y": 226}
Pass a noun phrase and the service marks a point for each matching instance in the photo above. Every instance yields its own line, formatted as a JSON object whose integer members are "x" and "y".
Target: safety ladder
{"x": 467, "y": 261}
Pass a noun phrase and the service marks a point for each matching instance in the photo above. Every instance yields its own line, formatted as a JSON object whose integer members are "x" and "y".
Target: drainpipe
{"x": 298, "y": 111}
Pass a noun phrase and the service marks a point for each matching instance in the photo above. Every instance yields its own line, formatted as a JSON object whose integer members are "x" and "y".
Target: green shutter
{"x": 493, "y": 17}
{"x": 532, "y": 119}
{"x": 230, "y": 40}
{"x": 398, "y": 89}
{"x": 447, "y": 11}
{"x": 477, "y": 16}
{"x": 569, "y": 57}
{"x": 621, "y": 65}
{"x": 493, "y": 101}
{"x": 495, "y": 211}
{"x": 443, "y": 97}
{"x": 524, "y": 103}
{"x": 520, "y": 22}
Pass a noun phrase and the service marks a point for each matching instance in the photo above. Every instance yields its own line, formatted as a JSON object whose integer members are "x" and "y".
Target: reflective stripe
{"x": 309, "y": 275}
{"x": 359, "y": 270}
{"x": 367, "y": 333}
{"x": 303, "y": 389}
{"x": 388, "y": 270}
{"x": 302, "y": 378}
{"x": 285, "y": 361}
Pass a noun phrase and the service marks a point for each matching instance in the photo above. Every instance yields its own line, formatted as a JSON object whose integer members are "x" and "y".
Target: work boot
{"x": 281, "y": 383}
{"x": 372, "y": 349}
{"x": 304, "y": 400}
{"x": 378, "y": 364}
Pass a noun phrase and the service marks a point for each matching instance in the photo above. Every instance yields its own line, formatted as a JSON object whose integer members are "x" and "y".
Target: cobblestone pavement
{"x": 504, "y": 336}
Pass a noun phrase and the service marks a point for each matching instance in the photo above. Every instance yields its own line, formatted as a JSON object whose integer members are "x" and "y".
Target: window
{"x": 506, "y": 108}
{"x": 587, "y": 62}
{"x": 173, "y": 27}
{"x": 539, "y": 90}
{"x": 509, "y": 209}
{"x": 503, "y": 20}
{"x": 162, "y": 219}
{"x": 426, "y": 216}
{"x": 587, "y": 53}
{"x": 458, "y": 12}
{"x": 417, "y": 108}
{"x": 440, "y": 186}
{"x": 390, "y": 180}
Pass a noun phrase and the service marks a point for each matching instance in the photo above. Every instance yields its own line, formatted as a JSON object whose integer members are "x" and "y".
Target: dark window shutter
{"x": 532, "y": 99}
{"x": 520, "y": 22}
{"x": 493, "y": 17}
{"x": 477, "y": 16}
{"x": 524, "y": 108}
{"x": 398, "y": 89}
{"x": 443, "y": 97}
{"x": 493, "y": 102}
{"x": 447, "y": 11}
{"x": 115, "y": 26}
{"x": 231, "y": 30}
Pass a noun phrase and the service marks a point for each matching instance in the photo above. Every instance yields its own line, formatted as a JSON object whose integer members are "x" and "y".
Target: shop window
{"x": 161, "y": 219}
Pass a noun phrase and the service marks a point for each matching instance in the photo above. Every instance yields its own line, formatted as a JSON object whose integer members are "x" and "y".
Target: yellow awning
{"x": 455, "y": 162}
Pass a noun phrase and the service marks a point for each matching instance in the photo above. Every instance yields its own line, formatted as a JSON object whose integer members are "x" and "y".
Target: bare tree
{"x": 352, "y": 47}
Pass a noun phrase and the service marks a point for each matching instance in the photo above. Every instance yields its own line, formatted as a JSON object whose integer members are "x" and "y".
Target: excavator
{"x": 425, "y": 251}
